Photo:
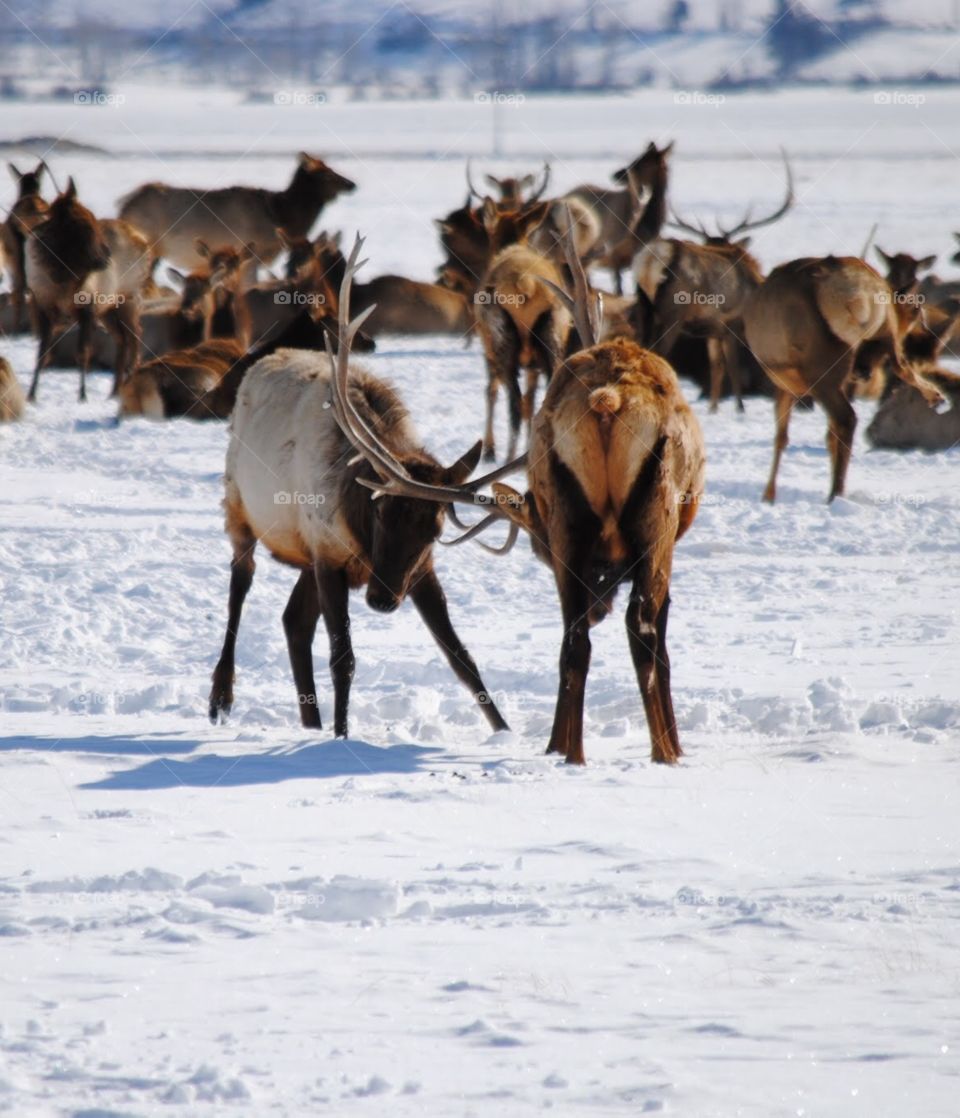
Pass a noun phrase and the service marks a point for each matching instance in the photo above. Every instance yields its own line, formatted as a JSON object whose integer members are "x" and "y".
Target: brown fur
{"x": 171, "y": 385}
{"x": 27, "y": 212}
{"x": 905, "y": 421}
{"x": 12, "y": 399}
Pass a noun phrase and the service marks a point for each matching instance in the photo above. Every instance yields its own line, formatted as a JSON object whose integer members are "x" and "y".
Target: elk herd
{"x": 171, "y": 296}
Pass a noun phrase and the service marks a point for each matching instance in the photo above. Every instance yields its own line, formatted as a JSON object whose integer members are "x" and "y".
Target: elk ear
{"x": 177, "y": 277}
{"x": 664, "y": 152}
{"x": 202, "y": 248}
{"x": 218, "y": 275}
{"x": 926, "y": 262}
{"x": 16, "y": 176}
{"x": 888, "y": 260}
{"x": 491, "y": 215}
{"x": 443, "y": 226}
{"x": 337, "y": 237}
{"x": 535, "y": 216}
{"x": 514, "y": 504}
{"x": 744, "y": 242}
{"x": 71, "y": 191}
{"x": 464, "y": 466}
{"x": 494, "y": 182}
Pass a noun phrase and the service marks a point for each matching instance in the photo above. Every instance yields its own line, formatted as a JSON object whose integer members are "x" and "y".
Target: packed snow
{"x": 427, "y": 919}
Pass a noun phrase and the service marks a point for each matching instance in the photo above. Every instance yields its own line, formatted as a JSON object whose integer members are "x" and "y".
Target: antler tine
{"x": 587, "y": 323}
{"x": 473, "y": 190}
{"x": 697, "y": 230}
{"x": 481, "y": 526}
{"x": 777, "y": 214}
{"x": 538, "y": 193}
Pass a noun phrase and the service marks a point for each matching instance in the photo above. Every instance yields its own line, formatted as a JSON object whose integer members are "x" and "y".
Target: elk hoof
{"x": 220, "y": 707}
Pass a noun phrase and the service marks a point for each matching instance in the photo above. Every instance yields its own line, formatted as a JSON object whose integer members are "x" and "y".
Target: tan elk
{"x": 27, "y": 211}
{"x": 12, "y": 400}
{"x": 171, "y": 385}
{"x": 292, "y": 469}
{"x": 805, "y": 324}
{"x": 512, "y": 190}
{"x": 929, "y": 335}
{"x": 622, "y": 228}
{"x": 81, "y": 269}
{"x": 905, "y": 421}
{"x": 615, "y": 472}
{"x": 174, "y": 217}
{"x": 691, "y": 289}
{"x": 522, "y": 322}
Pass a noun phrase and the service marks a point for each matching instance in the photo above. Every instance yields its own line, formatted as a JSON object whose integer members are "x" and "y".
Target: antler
{"x": 746, "y": 223}
{"x": 537, "y": 194}
{"x": 697, "y": 230}
{"x": 587, "y": 312}
{"x": 474, "y": 193}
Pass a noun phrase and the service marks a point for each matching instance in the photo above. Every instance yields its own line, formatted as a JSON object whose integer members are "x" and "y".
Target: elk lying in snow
{"x": 905, "y": 421}
{"x": 27, "y": 212}
{"x": 79, "y": 268}
{"x": 805, "y": 324}
{"x": 174, "y": 217}
{"x": 622, "y": 228}
{"x": 512, "y": 190}
{"x": 12, "y": 400}
{"x": 615, "y": 472}
{"x": 285, "y": 436}
{"x": 171, "y": 385}
{"x": 398, "y": 305}
{"x": 522, "y": 322}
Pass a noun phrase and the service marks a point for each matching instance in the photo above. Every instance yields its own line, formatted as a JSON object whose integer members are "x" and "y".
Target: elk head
{"x": 27, "y": 182}
{"x": 511, "y": 227}
{"x": 197, "y": 291}
{"x": 73, "y": 237}
{"x": 903, "y": 270}
{"x": 511, "y": 189}
{"x": 644, "y": 170}
{"x": 403, "y": 530}
{"x": 323, "y": 181}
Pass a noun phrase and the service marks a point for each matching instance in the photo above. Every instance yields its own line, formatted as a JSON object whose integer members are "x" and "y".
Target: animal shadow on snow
{"x": 321, "y": 761}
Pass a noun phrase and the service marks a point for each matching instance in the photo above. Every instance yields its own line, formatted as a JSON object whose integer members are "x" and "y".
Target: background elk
{"x": 615, "y": 472}
{"x": 522, "y": 322}
{"x": 285, "y": 436}
{"x": 466, "y": 246}
{"x": 12, "y": 400}
{"x": 511, "y": 191}
{"x": 805, "y": 324}
{"x": 174, "y": 217}
{"x": 27, "y": 211}
{"x": 171, "y": 385}
{"x": 930, "y": 333}
{"x": 905, "y": 421}
{"x": 79, "y": 268}
{"x": 622, "y": 228}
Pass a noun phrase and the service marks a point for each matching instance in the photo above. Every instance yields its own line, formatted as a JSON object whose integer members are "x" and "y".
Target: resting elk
{"x": 614, "y": 472}
{"x": 522, "y": 322}
{"x": 82, "y": 269}
{"x": 699, "y": 290}
{"x": 286, "y": 437}
{"x": 27, "y": 211}
{"x": 174, "y": 217}
{"x": 805, "y": 325}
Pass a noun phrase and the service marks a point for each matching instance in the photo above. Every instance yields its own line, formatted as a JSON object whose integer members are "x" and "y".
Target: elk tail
{"x": 605, "y": 401}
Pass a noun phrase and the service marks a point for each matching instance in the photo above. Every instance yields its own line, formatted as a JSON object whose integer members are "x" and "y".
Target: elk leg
{"x": 299, "y": 624}
{"x": 85, "y": 327}
{"x": 663, "y": 675}
{"x": 644, "y": 625}
{"x": 516, "y": 411}
{"x": 730, "y": 348}
{"x": 242, "y": 568}
{"x": 44, "y": 339}
{"x": 715, "y": 356}
{"x": 783, "y": 406}
{"x": 841, "y": 425}
{"x": 431, "y": 603}
{"x": 567, "y": 734}
{"x": 334, "y": 602}
{"x": 501, "y": 344}
{"x": 493, "y": 390}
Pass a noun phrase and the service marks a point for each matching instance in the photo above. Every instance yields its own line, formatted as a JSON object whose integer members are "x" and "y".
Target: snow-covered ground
{"x": 430, "y": 920}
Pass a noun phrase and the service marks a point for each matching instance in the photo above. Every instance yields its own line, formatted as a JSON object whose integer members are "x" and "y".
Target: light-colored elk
{"x": 615, "y": 472}
{"x": 12, "y": 399}
{"x": 292, "y": 467}
{"x": 805, "y": 324}
{"x": 80, "y": 269}
{"x": 624, "y": 228}
{"x": 523, "y": 324}
{"x": 905, "y": 421}
{"x": 27, "y": 211}
{"x": 174, "y": 217}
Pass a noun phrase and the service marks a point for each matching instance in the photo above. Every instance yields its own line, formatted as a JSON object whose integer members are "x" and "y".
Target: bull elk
{"x": 522, "y": 322}
{"x": 805, "y": 324}
{"x": 83, "y": 269}
{"x": 285, "y": 436}
{"x": 512, "y": 190}
{"x": 174, "y": 217}
{"x": 622, "y": 228}
{"x": 25, "y": 214}
{"x": 615, "y": 473}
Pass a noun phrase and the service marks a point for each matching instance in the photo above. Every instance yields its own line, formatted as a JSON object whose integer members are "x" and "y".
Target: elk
{"x": 12, "y": 400}
{"x": 805, "y": 325}
{"x": 286, "y": 437}
{"x": 466, "y": 245}
{"x": 512, "y": 189}
{"x": 174, "y": 217}
{"x": 615, "y": 472}
{"x": 400, "y": 305}
{"x": 698, "y": 290}
{"x": 622, "y": 228}
{"x": 171, "y": 385}
{"x": 905, "y": 421}
{"x": 522, "y": 322}
{"x": 930, "y": 333}
{"x": 27, "y": 211}
{"x": 81, "y": 268}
